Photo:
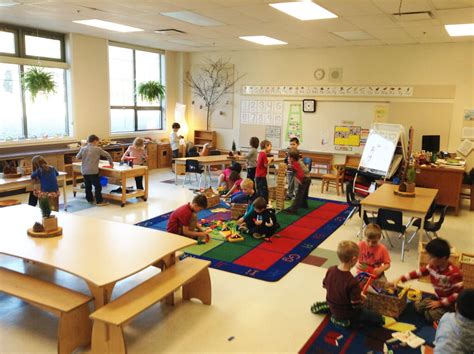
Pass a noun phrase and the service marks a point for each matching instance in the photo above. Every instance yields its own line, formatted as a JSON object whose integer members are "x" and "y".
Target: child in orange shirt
{"x": 373, "y": 256}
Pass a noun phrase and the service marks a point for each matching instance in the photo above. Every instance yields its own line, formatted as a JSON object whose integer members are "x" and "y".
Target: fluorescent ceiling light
{"x": 193, "y": 18}
{"x": 264, "y": 40}
{"x": 466, "y": 29}
{"x": 353, "y": 35}
{"x": 111, "y": 26}
{"x": 304, "y": 10}
{"x": 8, "y": 3}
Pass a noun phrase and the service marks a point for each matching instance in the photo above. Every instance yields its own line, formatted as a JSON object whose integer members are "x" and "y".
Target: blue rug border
{"x": 287, "y": 262}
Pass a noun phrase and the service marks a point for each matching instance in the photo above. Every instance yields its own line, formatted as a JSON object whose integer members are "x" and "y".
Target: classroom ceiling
{"x": 246, "y": 18}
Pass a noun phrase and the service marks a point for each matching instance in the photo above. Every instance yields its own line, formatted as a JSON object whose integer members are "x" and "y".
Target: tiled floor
{"x": 247, "y": 315}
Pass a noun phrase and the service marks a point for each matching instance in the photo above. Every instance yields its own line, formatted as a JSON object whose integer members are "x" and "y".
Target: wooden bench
{"x": 191, "y": 273}
{"x": 70, "y": 306}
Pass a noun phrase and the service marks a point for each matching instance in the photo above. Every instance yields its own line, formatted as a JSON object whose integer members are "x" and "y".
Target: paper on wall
{"x": 465, "y": 147}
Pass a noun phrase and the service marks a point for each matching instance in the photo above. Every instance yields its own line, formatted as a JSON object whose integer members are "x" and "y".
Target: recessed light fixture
{"x": 263, "y": 40}
{"x": 353, "y": 35}
{"x": 304, "y": 10}
{"x": 466, "y": 29}
{"x": 9, "y": 3}
{"x": 167, "y": 31}
{"x": 111, "y": 26}
{"x": 193, "y": 18}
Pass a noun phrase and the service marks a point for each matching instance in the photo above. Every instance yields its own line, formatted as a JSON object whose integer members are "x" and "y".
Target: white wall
{"x": 435, "y": 64}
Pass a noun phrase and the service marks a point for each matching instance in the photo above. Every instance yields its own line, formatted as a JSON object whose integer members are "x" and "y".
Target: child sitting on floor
{"x": 261, "y": 222}
{"x": 373, "y": 256}
{"x": 246, "y": 196}
{"x": 183, "y": 221}
{"x": 445, "y": 278}
{"x": 138, "y": 152}
{"x": 223, "y": 180}
{"x": 47, "y": 175}
{"x": 235, "y": 180}
{"x": 344, "y": 298}
{"x": 455, "y": 333}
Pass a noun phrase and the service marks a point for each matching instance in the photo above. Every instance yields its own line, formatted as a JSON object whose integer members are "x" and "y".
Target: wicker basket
{"x": 212, "y": 197}
{"x": 384, "y": 304}
{"x": 237, "y": 210}
{"x": 466, "y": 263}
{"x": 424, "y": 259}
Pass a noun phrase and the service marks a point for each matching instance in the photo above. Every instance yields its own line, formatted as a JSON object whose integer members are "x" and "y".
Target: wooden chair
{"x": 336, "y": 180}
{"x": 191, "y": 273}
{"x": 71, "y": 307}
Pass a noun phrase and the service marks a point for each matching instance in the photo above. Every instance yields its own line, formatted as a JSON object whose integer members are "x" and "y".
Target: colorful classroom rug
{"x": 298, "y": 236}
{"x": 321, "y": 257}
{"x": 329, "y": 339}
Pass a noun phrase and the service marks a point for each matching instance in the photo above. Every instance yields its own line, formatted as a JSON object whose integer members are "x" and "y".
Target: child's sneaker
{"x": 320, "y": 308}
{"x": 340, "y": 323}
{"x": 257, "y": 236}
{"x": 101, "y": 204}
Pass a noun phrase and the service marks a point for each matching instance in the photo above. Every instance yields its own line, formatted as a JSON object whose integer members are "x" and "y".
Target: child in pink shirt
{"x": 138, "y": 152}
{"x": 373, "y": 256}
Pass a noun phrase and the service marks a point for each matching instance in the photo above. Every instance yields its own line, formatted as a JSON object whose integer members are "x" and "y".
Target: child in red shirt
{"x": 262, "y": 168}
{"x": 445, "y": 277}
{"x": 373, "y": 256}
{"x": 183, "y": 221}
{"x": 302, "y": 178}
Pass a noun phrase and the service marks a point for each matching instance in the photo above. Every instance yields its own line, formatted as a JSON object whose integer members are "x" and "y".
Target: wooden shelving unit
{"x": 202, "y": 137}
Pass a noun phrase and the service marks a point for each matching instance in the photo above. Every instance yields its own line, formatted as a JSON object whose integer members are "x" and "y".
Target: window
{"x": 21, "y": 117}
{"x": 128, "y": 68}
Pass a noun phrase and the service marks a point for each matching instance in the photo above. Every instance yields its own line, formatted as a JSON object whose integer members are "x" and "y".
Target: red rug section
{"x": 281, "y": 245}
{"x": 310, "y": 223}
{"x": 295, "y": 232}
{"x": 259, "y": 259}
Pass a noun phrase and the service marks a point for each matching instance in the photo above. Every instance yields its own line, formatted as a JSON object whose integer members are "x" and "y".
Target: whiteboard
{"x": 318, "y": 129}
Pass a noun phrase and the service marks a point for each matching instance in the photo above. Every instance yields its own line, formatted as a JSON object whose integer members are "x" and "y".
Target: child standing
{"x": 174, "y": 139}
{"x": 294, "y": 144}
{"x": 302, "y": 178}
{"x": 90, "y": 156}
{"x": 183, "y": 221}
{"x": 262, "y": 168}
{"x": 445, "y": 277}
{"x": 47, "y": 175}
{"x": 138, "y": 152}
{"x": 373, "y": 256}
{"x": 261, "y": 222}
{"x": 343, "y": 298}
{"x": 455, "y": 333}
{"x": 251, "y": 158}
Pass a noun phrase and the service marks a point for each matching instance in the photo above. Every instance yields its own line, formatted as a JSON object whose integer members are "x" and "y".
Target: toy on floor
{"x": 367, "y": 278}
{"x": 414, "y": 295}
{"x": 393, "y": 325}
{"x": 409, "y": 338}
{"x": 234, "y": 238}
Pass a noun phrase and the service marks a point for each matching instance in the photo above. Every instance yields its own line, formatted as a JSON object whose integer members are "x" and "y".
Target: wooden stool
{"x": 9, "y": 202}
{"x": 336, "y": 180}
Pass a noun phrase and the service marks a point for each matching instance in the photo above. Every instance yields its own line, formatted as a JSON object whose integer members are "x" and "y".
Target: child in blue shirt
{"x": 47, "y": 176}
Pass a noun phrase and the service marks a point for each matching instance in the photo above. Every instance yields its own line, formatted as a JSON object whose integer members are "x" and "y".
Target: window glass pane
{"x": 121, "y": 76}
{"x": 7, "y": 42}
{"x": 43, "y": 47}
{"x": 122, "y": 120}
{"x": 10, "y": 97}
{"x": 46, "y": 116}
{"x": 149, "y": 120}
{"x": 147, "y": 69}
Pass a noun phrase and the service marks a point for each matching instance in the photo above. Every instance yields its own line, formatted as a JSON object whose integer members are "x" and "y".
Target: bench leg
{"x": 107, "y": 338}
{"x": 74, "y": 329}
{"x": 199, "y": 288}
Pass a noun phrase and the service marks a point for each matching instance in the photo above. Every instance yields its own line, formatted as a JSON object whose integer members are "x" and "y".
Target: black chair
{"x": 193, "y": 167}
{"x": 392, "y": 220}
{"x": 430, "y": 226}
{"x": 352, "y": 201}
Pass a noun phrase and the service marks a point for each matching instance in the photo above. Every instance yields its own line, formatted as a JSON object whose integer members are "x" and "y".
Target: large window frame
{"x": 136, "y": 107}
{"x": 23, "y": 60}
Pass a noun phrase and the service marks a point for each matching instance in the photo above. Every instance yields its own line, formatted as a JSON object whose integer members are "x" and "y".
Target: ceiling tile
{"x": 456, "y": 16}
{"x": 389, "y": 33}
{"x": 373, "y": 21}
{"x": 431, "y": 32}
{"x": 392, "y": 6}
{"x": 452, "y": 4}
{"x": 346, "y": 8}
{"x": 228, "y": 16}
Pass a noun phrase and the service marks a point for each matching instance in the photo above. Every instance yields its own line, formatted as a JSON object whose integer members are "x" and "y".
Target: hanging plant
{"x": 151, "y": 91}
{"x": 36, "y": 80}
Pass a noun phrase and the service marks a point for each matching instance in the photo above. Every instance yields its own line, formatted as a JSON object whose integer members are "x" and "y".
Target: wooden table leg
{"x": 101, "y": 294}
{"x": 64, "y": 192}
{"x": 145, "y": 197}
{"x": 124, "y": 189}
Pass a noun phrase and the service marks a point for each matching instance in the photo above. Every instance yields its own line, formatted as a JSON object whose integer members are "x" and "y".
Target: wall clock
{"x": 309, "y": 106}
{"x": 319, "y": 74}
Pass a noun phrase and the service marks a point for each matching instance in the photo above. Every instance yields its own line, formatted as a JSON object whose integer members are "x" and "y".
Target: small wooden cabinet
{"x": 202, "y": 137}
{"x": 152, "y": 155}
{"x": 164, "y": 155}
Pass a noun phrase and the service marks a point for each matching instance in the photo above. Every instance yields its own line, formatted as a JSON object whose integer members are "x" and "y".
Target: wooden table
{"x": 206, "y": 161}
{"x": 100, "y": 252}
{"x": 120, "y": 172}
{"x": 448, "y": 180}
{"x": 11, "y": 184}
{"x": 384, "y": 197}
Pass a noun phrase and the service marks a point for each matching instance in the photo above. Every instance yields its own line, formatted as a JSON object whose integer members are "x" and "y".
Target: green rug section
{"x": 203, "y": 248}
{"x": 331, "y": 257}
{"x": 228, "y": 251}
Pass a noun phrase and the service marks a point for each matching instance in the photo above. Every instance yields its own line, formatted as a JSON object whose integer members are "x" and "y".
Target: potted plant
{"x": 36, "y": 80}
{"x": 151, "y": 91}
{"x": 410, "y": 183}
{"x": 50, "y": 223}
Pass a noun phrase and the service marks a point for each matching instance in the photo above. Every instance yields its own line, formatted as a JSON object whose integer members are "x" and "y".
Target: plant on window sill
{"x": 151, "y": 91}
{"x": 36, "y": 80}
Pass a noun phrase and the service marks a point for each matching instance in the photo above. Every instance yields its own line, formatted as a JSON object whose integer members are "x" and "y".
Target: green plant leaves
{"x": 36, "y": 80}
{"x": 151, "y": 91}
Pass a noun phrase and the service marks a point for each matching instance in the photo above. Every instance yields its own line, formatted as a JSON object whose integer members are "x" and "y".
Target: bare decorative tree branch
{"x": 212, "y": 82}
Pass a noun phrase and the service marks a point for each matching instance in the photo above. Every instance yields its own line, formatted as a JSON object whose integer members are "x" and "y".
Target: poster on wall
{"x": 261, "y": 112}
{"x": 273, "y": 134}
{"x": 380, "y": 114}
{"x": 347, "y": 136}
{"x": 294, "y": 126}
